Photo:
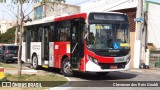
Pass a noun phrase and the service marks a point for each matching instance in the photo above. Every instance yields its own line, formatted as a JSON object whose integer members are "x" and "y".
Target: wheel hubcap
{"x": 34, "y": 62}
{"x": 67, "y": 68}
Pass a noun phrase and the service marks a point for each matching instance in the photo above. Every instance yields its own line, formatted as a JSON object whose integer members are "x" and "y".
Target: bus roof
{"x": 65, "y": 17}
{"x": 40, "y": 21}
{"x": 55, "y": 19}
{"x": 80, "y": 15}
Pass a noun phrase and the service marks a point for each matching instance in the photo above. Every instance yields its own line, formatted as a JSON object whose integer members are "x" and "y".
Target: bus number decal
{"x": 36, "y": 47}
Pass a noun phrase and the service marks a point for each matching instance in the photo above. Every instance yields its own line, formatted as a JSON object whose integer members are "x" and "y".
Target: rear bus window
{"x": 12, "y": 47}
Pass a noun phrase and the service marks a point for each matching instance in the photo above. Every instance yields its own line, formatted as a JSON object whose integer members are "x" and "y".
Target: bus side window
{"x": 32, "y": 35}
{"x": 24, "y": 35}
{"x": 68, "y": 34}
{"x": 52, "y": 36}
{"x": 62, "y": 34}
{"x": 64, "y": 31}
{"x": 1, "y": 50}
{"x": 36, "y": 34}
{"x": 74, "y": 33}
{"x": 40, "y": 34}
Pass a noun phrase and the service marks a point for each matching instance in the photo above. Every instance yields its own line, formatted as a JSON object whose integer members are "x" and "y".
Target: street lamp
{"x": 27, "y": 19}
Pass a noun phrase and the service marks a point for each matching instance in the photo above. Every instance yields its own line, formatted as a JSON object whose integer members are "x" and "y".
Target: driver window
{"x": 120, "y": 35}
{"x": 91, "y": 38}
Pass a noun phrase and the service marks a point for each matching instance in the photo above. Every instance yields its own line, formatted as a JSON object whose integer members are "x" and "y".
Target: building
{"x": 124, "y": 6}
{"x": 153, "y": 31}
{"x": 6, "y": 24}
{"x": 153, "y": 16}
{"x": 53, "y": 9}
{"x": 108, "y": 5}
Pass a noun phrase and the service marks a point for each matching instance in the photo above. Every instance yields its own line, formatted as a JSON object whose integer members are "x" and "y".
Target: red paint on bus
{"x": 81, "y": 15}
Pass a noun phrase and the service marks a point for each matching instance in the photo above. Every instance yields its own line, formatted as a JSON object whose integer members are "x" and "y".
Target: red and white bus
{"x": 89, "y": 42}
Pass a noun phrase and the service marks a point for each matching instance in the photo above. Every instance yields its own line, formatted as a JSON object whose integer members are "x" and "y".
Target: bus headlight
{"x": 93, "y": 59}
{"x": 128, "y": 60}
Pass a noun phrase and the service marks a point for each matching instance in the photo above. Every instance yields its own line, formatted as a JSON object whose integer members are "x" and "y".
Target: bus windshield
{"x": 106, "y": 36}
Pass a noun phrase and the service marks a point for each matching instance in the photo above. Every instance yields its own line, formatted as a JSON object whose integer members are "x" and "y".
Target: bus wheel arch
{"x": 66, "y": 68}
{"x": 62, "y": 59}
{"x": 35, "y": 61}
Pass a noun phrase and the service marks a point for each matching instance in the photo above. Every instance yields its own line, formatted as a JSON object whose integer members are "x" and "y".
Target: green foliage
{"x": 8, "y": 37}
{"x": 2, "y": 1}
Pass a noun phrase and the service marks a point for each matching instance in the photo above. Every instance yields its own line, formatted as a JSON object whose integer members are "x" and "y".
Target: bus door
{"x": 27, "y": 45}
{"x": 77, "y": 42}
{"x": 45, "y": 47}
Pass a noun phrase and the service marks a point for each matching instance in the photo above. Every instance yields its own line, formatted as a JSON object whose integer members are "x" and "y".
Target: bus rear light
{"x": 93, "y": 59}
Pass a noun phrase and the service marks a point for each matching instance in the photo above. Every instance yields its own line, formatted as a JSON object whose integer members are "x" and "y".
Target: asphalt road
{"x": 86, "y": 81}
{"x": 96, "y": 82}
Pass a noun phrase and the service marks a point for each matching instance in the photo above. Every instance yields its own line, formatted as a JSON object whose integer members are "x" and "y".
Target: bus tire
{"x": 35, "y": 62}
{"x": 102, "y": 73}
{"x": 66, "y": 68}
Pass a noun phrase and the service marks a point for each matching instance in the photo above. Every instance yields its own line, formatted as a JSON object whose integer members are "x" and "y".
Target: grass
{"x": 45, "y": 80}
{"x": 34, "y": 77}
{"x": 6, "y": 65}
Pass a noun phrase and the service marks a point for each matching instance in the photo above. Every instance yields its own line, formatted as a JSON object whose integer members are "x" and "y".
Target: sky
{"x": 75, "y": 1}
{"x": 9, "y": 12}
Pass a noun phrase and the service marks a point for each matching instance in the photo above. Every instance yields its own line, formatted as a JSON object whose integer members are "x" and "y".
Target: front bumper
{"x": 92, "y": 67}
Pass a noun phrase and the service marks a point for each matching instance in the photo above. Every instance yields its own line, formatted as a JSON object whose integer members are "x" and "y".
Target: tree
{"x": 20, "y": 4}
{"x": 8, "y": 37}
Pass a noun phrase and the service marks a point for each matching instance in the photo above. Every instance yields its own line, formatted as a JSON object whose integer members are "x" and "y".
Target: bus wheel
{"x": 66, "y": 68}
{"x": 35, "y": 62}
{"x": 102, "y": 73}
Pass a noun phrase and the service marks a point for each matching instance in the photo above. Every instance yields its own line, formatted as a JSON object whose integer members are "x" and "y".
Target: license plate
{"x": 15, "y": 57}
{"x": 113, "y": 67}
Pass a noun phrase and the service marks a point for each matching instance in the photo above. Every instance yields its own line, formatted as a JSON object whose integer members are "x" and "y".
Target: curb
{"x": 62, "y": 87}
{"x": 2, "y": 75}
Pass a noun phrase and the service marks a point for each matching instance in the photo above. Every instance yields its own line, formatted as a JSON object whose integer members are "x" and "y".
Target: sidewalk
{"x": 14, "y": 71}
{"x": 25, "y": 70}
{"x": 148, "y": 71}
